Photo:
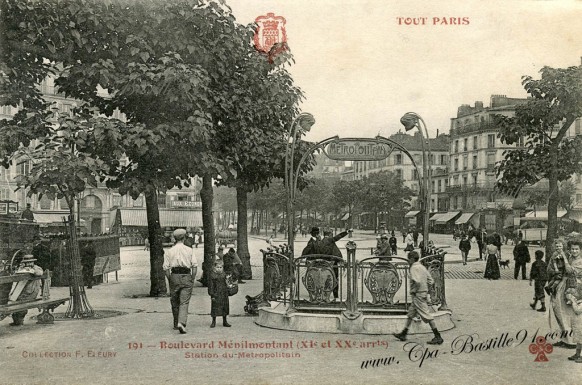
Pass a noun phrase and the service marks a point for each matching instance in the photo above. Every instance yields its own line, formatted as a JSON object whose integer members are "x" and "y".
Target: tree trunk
{"x": 553, "y": 201}
{"x": 241, "y": 236}
{"x": 157, "y": 276}
{"x": 206, "y": 195}
{"x": 78, "y": 303}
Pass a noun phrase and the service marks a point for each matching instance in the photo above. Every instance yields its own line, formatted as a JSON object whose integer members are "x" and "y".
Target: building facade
{"x": 399, "y": 163}
{"x": 98, "y": 205}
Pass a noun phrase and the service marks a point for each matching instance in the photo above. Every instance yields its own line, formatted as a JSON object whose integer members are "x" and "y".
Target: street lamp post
{"x": 300, "y": 125}
{"x": 409, "y": 121}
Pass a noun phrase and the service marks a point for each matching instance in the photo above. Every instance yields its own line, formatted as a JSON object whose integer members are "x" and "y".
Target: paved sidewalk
{"x": 140, "y": 347}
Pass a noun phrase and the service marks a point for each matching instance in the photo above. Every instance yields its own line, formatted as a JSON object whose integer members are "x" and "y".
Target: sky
{"x": 361, "y": 67}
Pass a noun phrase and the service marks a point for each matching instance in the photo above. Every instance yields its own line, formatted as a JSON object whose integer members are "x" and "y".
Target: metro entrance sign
{"x": 358, "y": 149}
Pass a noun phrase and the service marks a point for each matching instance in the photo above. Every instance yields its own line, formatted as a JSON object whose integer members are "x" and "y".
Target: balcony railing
{"x": 470, "y": 187}
{"x": 472, "y": 128}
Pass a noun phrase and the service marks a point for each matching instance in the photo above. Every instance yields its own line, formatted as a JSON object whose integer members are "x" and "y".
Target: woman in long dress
{"x": 563, "y": 313}
{"x": 492, "y": 265}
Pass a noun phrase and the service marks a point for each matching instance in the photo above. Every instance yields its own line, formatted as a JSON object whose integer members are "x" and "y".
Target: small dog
{"x": 505, "y": 263}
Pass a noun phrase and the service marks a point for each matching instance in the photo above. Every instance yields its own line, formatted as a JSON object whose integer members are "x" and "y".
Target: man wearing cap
{"x": 28, "y": 289}
{"x": 180, "y": 266}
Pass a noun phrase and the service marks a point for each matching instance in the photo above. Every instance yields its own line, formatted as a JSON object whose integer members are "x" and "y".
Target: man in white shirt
{"x": 420, "y": 280}
{"x": 180, "y": 266}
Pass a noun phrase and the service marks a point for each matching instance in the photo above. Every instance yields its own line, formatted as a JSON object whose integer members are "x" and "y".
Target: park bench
{"x": 44, "y": 303}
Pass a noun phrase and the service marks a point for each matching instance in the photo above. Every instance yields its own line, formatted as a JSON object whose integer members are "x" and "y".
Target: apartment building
{"x": 474, "y": 150}
{"x": 100, "y": 208}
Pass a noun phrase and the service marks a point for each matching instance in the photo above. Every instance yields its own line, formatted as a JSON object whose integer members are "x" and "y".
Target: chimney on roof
{"x": 437, "y": 132}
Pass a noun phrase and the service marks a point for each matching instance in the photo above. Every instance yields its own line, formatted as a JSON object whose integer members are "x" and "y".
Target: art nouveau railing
{"x": 373, "y": 284}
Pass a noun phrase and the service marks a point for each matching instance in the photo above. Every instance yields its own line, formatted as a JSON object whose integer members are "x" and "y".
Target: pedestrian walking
{"x": 492, "y": 264}
{"x": 521, "y": 257}
{"x": 465, "y": 247}
{"x": 146, "y": 244}
{"x": 393, "y": 244}
{"x": 538, "y": 274}
{"x": 409, "y": 242}
{"x": 218, "y": 292}
{"x": 420, "y": 280}
{"x": 415, "y": 236}
{"x": 180, "y": 266}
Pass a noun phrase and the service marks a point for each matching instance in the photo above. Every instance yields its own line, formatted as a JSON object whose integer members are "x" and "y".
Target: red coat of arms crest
{"x": 270, "y": 31}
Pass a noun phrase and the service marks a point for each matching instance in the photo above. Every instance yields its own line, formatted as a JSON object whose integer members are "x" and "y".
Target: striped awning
{"x": 446, "y": 217}
{"x": 464, "y": 218}
{"x": 168, "y": 218}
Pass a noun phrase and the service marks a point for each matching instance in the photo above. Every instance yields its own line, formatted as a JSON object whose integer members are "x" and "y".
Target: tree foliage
{"x": 542, "y": 123}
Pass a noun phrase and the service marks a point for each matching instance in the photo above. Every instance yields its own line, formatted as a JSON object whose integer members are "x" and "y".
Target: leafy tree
{"x": 536, "y": 197}
{"x": 547, "y": 153}
{"x": 166, "y": 66}
{"x": 567, "y": 195}
{"x": 347, "y": 194}
{"x": 64, "y": 163}
{"x": 384, "y": 192}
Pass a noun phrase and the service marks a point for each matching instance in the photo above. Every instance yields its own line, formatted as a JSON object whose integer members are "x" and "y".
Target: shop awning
{"x": 52, "y": 218}
{"x": 345, "y": 217}
{"x": 411, "y": 214}
{"x": 436, "y": 216}
{"x": 544, "y": 214}
{"x": 446, "y": 217}
{"x": 168, "y": 218}
{"x": 464, "y": 218}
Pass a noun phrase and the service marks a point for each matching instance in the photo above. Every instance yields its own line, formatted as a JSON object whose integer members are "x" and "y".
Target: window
{"x": 490, "y": 162}
{"x": 474, "y": 162}
{"x": 578, "y": 127}
{"x": 475, "y": 142}
{"x": 24, "y": 168}
{"x": 399, "y": 173}
{"x": 464, "y": 180}
{"x": 491, "y": 141}
{"x": 4, "y": 193}
{"x": 456, "y": 165}
{"x": 474, "y": 179}
{"x": 440, "y": 185}
{"x": 446, "y": 183}
{"x": 465, "y": 144}
{"x": 456, "y": 146}
{"x": 431, "y": 159}
{"x": 414, "y": 175}
{"x": 434, "y": 187}
{"x": 443, "y": 159}
{"x": 465, "y": 162}
{"x": 456, "y": 180}
{"x": 45, "y": 203}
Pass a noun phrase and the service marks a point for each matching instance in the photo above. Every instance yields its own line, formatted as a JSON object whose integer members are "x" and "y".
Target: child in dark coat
{"x": 539, "y": 275}
{"x": 218, "y": 292}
